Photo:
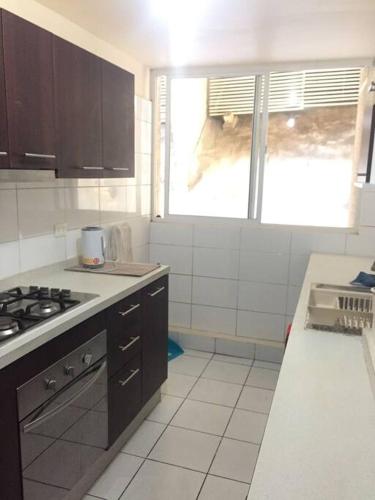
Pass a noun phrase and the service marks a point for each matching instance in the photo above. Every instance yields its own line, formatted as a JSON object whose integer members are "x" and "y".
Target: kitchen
{"x": 194, "y": 152}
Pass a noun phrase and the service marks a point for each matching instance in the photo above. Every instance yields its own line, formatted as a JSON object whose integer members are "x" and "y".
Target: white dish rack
{"x": 342, "y": 309}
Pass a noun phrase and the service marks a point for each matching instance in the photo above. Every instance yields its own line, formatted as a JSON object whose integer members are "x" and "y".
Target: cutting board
{"x": 137, "y": 269}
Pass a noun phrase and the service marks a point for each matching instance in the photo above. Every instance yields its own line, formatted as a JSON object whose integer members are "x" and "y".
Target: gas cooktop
{"x": 22, "y": 308}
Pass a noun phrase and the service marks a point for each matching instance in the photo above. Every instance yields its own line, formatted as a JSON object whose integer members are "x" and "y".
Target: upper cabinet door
{"x": 4, "y": 151}
{"x": 118, "y": 121}
{"x": 28, "y": 63}
{"x": 78, "y": 111}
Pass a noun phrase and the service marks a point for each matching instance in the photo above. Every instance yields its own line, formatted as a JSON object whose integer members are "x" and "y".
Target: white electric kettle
{"x": 92, "y": 246}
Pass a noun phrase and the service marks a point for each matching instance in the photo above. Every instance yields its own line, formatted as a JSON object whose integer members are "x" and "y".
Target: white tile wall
{"x": 262, "y": 297}
{"x": 32, "y": 208}
{"x": 180, "y": 288}
{"x": 179, "y": 258}
{"x": 217, "y": 236}
{"x": 260, "y": 325}
{"x": 264, "y": 267}
{"x": 214, "y": 319}
{"x": 215, "y": 262}
{"x": 245, "y": 281}
{"x": 214, "y": 292}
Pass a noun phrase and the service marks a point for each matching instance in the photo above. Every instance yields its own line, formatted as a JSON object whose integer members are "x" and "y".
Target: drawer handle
{"x": 133, "y": 373}
{"x": 157, "y": 291}
{"x": 131, "y": 308}
{"x": 3, "y": 153}
{"x": 116, "y": 168}
{"x": 40, "y": 155}
{"x": 133, "y": 340}
{"x": 91, "y": 168}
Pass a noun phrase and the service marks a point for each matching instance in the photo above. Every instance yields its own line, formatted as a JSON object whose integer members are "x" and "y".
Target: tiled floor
{"x": 202, "y": 440}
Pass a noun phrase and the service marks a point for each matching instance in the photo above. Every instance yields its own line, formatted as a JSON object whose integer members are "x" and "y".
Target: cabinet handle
{"x": 116, "y": 168}
{"x": 3, "y": 153}
{"x": 133, "y": 340}
{"x": 133, "y": 373}
{"x": 131, "y": 308}
{"x": 91, "y": 168}
{"x": 157, "y": 291}
{"x": 41, "y": 156}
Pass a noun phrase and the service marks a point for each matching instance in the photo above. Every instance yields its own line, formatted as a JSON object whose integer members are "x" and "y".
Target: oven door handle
{"x": 40, "y": 420}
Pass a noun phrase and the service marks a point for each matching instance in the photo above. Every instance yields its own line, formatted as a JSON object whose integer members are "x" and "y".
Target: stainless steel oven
{"x": 63, "y": 421}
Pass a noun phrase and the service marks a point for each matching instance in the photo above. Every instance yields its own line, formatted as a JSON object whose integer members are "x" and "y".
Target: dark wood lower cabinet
{"x": 134, "y": 373}
{"x": 124, "y": 397}
{"x": 155, "y": 336}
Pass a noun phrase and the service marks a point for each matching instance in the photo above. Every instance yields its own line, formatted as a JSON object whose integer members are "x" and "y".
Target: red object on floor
{"x": 288, "y": 333}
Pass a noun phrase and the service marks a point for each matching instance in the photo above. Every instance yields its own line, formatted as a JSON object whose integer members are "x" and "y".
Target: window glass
{"x": 211, "y": 132}
{"x": 308, "y": 174}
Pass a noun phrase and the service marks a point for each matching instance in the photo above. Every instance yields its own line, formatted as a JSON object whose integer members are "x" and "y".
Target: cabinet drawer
{"x": 124, "y": 397}
{"x": 124, "y": 331}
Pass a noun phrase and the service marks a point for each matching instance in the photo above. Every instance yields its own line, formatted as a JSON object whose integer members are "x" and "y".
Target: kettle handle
{"x": 103, "y": 249}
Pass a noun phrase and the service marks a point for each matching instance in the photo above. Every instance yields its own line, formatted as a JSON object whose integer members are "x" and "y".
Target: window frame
{"x": 257, "y": 153}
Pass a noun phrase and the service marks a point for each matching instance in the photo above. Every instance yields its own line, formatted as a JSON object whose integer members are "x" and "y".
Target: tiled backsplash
{"x": 31, "y": 210}
{"x": 245, "y": 281}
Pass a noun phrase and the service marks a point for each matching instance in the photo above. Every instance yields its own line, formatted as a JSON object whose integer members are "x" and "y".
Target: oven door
{"x": 62, "y": 438}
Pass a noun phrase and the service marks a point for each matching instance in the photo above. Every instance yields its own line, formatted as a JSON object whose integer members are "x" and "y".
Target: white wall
{"x": 244, "y": 282}
{"x": 60, "y": 26}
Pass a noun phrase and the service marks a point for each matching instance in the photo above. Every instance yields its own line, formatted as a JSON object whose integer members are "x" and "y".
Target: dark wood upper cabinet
{"x": 4, "y": 149}
{"x": 118, "y": 121}
{"x": 28, "y": 63}
{"x": 78, "y": 111}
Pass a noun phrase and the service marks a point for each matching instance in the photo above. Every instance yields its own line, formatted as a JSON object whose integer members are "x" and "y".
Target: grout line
{"x": 221, "y": 440}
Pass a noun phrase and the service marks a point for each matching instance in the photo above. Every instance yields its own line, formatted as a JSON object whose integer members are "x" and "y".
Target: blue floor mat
{"x": 174, "y": 350}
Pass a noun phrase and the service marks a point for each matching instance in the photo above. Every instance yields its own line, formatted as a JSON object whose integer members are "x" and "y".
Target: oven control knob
{"x": 87, "y": 359}
{"x": 69, "y": 370}
{"x": 50, "y": 384}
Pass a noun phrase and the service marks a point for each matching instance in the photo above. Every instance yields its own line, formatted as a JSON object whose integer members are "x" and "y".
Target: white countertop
{"x": 110, "y": 289}
{"x": 319, "y": 442}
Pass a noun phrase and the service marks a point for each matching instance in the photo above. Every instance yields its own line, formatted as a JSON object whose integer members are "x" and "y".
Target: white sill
{"x": 196, "y": 219}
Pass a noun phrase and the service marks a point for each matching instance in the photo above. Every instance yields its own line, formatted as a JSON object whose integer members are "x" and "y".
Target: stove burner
{"x": 45, "y": 307}
{"x": 8, "y": 326}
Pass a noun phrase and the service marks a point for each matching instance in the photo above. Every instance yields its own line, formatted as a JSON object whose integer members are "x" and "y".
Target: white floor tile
{"x": 218, "y": 488}
{"x": 156, "y": 481}
{"x": 263, "y": 378}
{"x": 198, "y": 354}
{"x": 116, "y": 477}
{"x": 164, "y": 411}
{"x": 247, "y": 426}
{"x": 186, "y": 448}
{"x": 143, "y": 440}
{"x": 267, "y": 364}
{"x": 226, "y": 372}
{"x": 235, "y": 460}
{"x": 187, "y": 365}
{"x": 214, "y": 391}
{"x": 233, "y": 359}
{"x": 203, "y": 417}
{"x": 178, "y": 385}
{"x": 255, "y": 399}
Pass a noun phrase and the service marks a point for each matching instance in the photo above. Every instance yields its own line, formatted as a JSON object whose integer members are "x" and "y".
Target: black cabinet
{"x": 155, "y": 336}
{"x": 124, "y": 331}
{"x": 137, "y": 330}
{"x": 28, "y": 68}
{"x": 62, "y": 107}
{"x": 4, "y": 149}
{"x": 118, "y": 121}
{"x": 124, "y": 397}
{"x": 78, "y": 111}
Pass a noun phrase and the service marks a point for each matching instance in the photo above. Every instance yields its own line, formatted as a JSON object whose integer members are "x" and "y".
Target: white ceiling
{"x": 196, "y": 32}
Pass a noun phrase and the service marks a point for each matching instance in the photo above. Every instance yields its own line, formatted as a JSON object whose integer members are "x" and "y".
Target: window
{"x": 277, "y": 147}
